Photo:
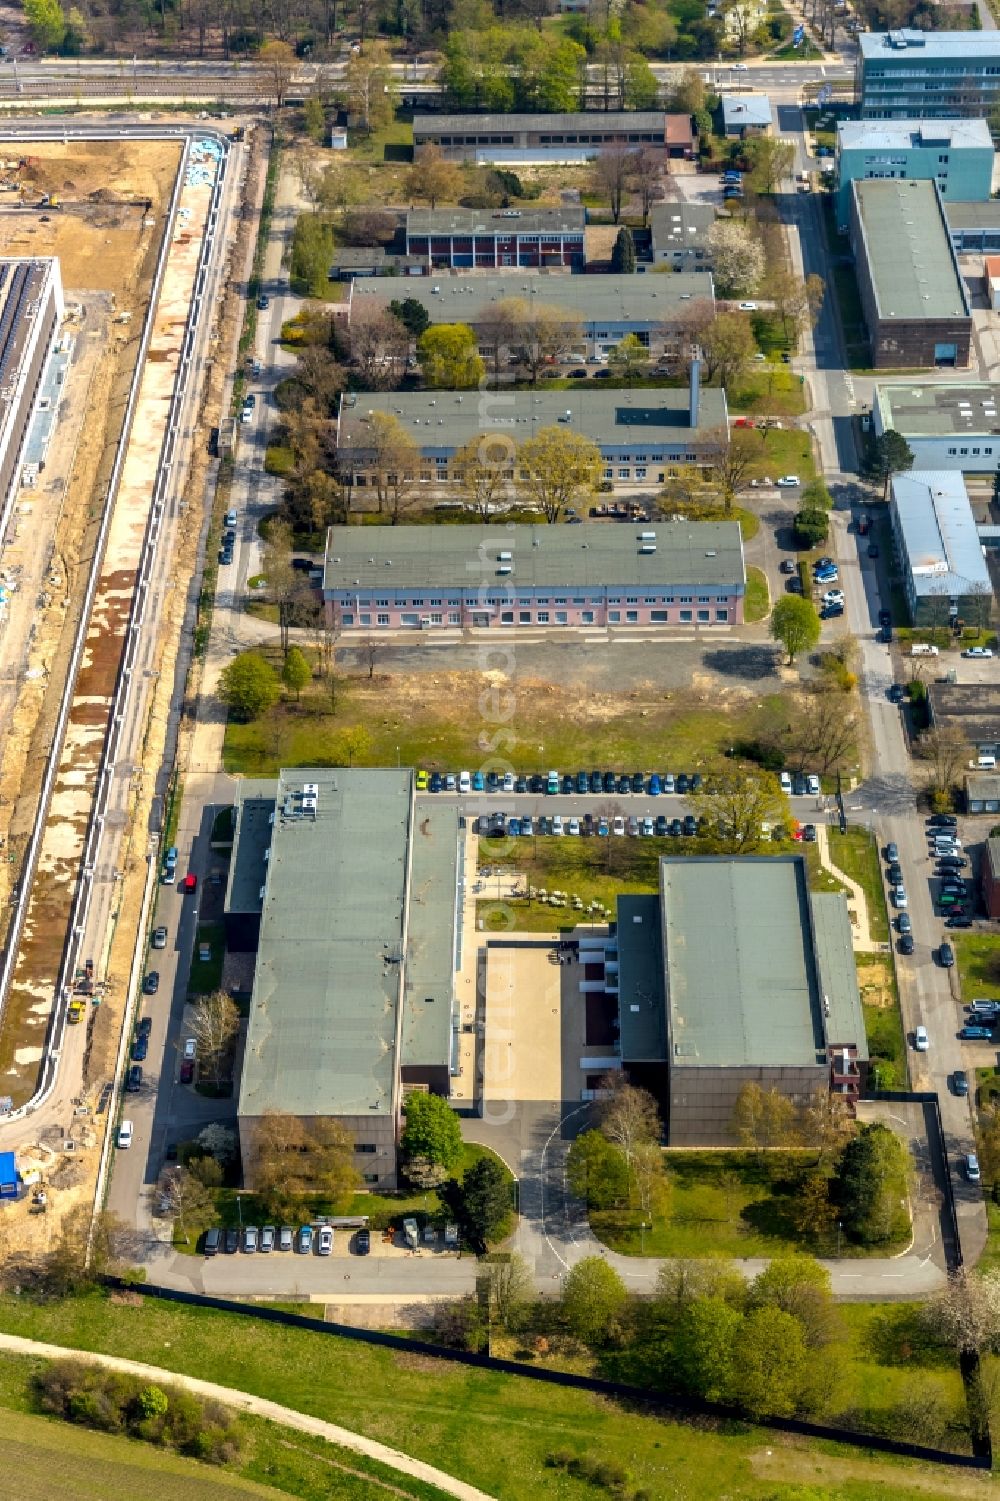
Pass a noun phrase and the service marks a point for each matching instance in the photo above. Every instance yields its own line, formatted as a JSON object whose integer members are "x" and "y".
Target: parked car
{"x": 140, "y": 1047}
{"x": 436, "y": 782}
{"x": 972, "y": 1167}
{"x": 788, "y": 482}
{"x": 249, "y": 1239}
{"x": 305, "y": 1239}
{"x": 896, "y": 693}
{"x": 899, "y": 896}
{"x": 895, "y": 874}
{"x": 557, "y": 824}
{"x": 633, "y": 827}
{"x": 573, "y": 826}
{"x": 669, "y": 785}
{"x": 263, "y": 303}
{"x": 661, "y": 825}
{"x": 690, "y": 826}
{"x": 648, "y": 827}
{"x": 785, "y": 781}
{"x": 906, "y": 944}
{"x": 958, "y": 920}
{"x": 189, "y": 882}
{"x": 683, "y": 785}
{"x": 638, "y": 782}
{"x": 812, "y": 784}
{"x": 676, "y": 828}
{"x": 286, "y": 1238}
{"x": 267, "y": 1238}
{"x": 921, "y": 1041}
{"x": 145, "y": 1026}
{"x": 125, "y": 1131}
{"x": 187, "y": 1071}
{"x": 159, "y": 938}
{"x": 960, "y": 1082}
{"x": 324, "y": 1241}
{"x": 618, "y": 826}
{"x": 946, "y": 956}
{"x": 151, "y": 983}
{"x": 903, "y": 923}
{"x": 831, "y": 612}
{"x": 230, "y": 1241}
{"x": 809, "y": 833}
{"x": 213, "y": 1241}
{"x": 787, "y": 565}
{"x": 943, "y": 821}
{"x": 655, "y": 787}
{"x": 362, "y": 1243}
{"x": 975, "y": 1033}
{"x": 133, "y": 1079}
{"x": 977, "y": 651}
{"x": 833, "y": 597}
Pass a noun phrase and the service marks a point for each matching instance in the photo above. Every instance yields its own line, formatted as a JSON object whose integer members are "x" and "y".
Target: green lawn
{"x": 493, "y": 1431}
{"x": 771, "y": 389}
{"x": 414, "y": 719}
{"x": 856, "y": 854}
{"x": 726, "y": 1204}
{"x": 977, "y": 956}
{"x": 206, "y": 974}
{"x": 788, "y": 450}
{"x": 757, "y": 604}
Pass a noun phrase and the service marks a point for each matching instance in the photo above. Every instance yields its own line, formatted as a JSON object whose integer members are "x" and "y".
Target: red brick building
{"x": 990, "y": 878}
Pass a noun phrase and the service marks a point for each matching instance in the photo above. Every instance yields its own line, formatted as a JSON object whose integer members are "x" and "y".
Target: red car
{"x": 187, "y": 1071}
{"x": 189, "y": 882}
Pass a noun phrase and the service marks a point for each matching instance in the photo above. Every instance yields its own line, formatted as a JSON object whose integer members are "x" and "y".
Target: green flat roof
{"x": 741, "y": 985}
{"x": 323, "y": 1016}
{"x": 593, "y": 553}
{"x": 641, "y": 1019}
{"x": 908, "y": 247}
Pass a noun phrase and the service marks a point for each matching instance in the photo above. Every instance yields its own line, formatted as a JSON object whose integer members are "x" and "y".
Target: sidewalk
{"x": 857, "y": 903}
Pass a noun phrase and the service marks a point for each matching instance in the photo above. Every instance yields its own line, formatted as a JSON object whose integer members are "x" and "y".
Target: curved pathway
{"x": 261, "y": 1408}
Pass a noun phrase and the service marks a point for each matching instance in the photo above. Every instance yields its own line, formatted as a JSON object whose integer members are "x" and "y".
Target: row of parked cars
{"x": 308, "y": 1239}
{"x": 501, "y": 825}
{"x": 592, "y": 783}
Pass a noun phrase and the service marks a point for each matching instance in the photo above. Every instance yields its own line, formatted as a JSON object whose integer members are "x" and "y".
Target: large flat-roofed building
{"x": 914, "y": 300}
{"x": 473, "y": 239}
{"x": 945, "y": 577}
{"x": 602, "y": 309}
{"x": 353, "y": 993}
{"x": 645, "y": 436}
{"x": 31, "y": 307}
{"x": 956, "y": 154}
{"x": 736, "y": 974}
{"x": 947, "y": 426}
{"x": 971, "y": 708}
{"x": 578, "y": 136}
{"x": 910, "y": 74}
{"x": 484, "y": 577}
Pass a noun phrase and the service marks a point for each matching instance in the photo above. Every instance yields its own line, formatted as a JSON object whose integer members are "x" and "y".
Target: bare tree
{"x": 279, "y": 61}
{"x": 535, "y": 333}
{"x": 184, "y": 1198}
{"x": 612, "y": 171}
{"x": 379, "y": 346}
{"x": 946, "y": 750}
{"x": 826, "y": 1123}
{"x": 485, "y": 472}
{"x": 394, "y": 462}
{"x": 628, "y": 1116}
{"x": 509, "y": 1285}
{"x": 646, "y": 177}
{"x": 825, "y": 732}
{"x": 372, "y": 648}
{"x": 764, "y": 1118}
{"x": 215, "y": 1021}
{"x": 733, "y": 459}
{"x": 295, "y": 1158}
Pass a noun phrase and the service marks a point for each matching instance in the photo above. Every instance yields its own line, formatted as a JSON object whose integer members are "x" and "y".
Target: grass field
{"x": 856, "y": 854}
{"x": 757, "y": 605}
{"x": 491, "y": 1430}
{"x": 206, "y": 974}
{"x": 725, "y": 1204}
{"x": 433, "y": 722}
{"x": 977, "y": 956}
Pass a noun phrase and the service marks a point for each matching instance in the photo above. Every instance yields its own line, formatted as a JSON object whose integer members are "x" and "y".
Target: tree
{"x": 46, "y": 22}
{"x": 369, "y": 86}
{"x": 380, "y": 345}
{"x": 509, "y": 1286}
{"x": 559, "y": 468}
{"x": 812, "y": 527}
{"x": 813, "y": 1211}
{"x": 481, "y": 1201}
{"x": 733, "y": 457}
{"x": 703, "y": 1348}
{"x": 314, "y": 119}
{"x": 628, "y": 1116}
{"x": 596, "y": 1171}
{"x": 248, "y": 686}
{"x": 449, "y": 357}
{"x": 279, "y": 64}
{"x": 536, "y": 333}
{"x": 629, "y": 359}
{"x": 946, "y": 750}
{"x": 284, "y": 583}
{"x": 646, "y": 176}
{"x": 737, "y": 257}
{"x": 623, "y": 252}
{"x": 763, "y": 1119}
{"x": 735, "y": 803}
{"x": 181, "y": 1196}
{"x": 966, "y": 1314}
{"x": 795, "y": 624}
{"x": 218, "y": 1141}
{"x": 824, "y": 733}
{"x": 611, "y": 176}
{"x": 593, "y": 1300}
{"x": 484, "y": 470}
{"x": 826, "y": 1123}
{"x": 891, "y": 454}
{"x": 688, "y": 94}
{"x": 296, "y": 673}
{"x": 799, "y": 1285}
{"x": 214, "y": 1023}
{"x": 771, "y": 159}
{"x": 727, "y": 346}
{"x": 770, "y": 1361}
{"x": 433, "y": 178}
{"x": 412, "y": 315}
{"x": 870, "y": 1185}
{"x": 431, "y": 1131}
{"x": 394, "y": 460}
{"x": 652, "y": 1185}
{"x": 297, "y": 1159}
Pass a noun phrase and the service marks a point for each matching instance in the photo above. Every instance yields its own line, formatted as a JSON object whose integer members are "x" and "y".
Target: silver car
{"x": 286, "y": 1237}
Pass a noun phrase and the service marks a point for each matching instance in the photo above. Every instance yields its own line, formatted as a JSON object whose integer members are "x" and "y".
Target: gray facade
{"x": 31, "y": 308}
{"x": 936, "y": 542}
{"x": 927, "y": 74}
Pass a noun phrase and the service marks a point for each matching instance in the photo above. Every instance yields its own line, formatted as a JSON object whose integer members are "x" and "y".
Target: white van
{"x": 923, "y": 649}
{"x": 986, "y": 763}
{"x": 124, "y": 1136}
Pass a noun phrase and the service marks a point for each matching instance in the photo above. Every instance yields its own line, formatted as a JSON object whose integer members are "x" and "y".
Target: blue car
{"x": 654, "y": 789}
{"x": 478, "y": 781}
{"x": 975, "y": 1034}
{"x": 514, "y": 827}
{"x": 140, "y": 1047}
{"x": 436, "y": 781}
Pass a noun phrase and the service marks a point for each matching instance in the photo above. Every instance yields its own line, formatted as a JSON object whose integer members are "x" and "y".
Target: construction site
{"x": 102, "y": 527}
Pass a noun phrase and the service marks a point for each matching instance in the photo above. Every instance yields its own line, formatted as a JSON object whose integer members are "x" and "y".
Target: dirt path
{"x": 261, "y": 1408}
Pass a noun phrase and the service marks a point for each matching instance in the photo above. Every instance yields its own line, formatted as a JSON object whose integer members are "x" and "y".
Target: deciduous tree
{"x": 433, "y": 178}
{"x": 279, "y": 63}
{"x": 509, "y": 1286}
{"x": 799, "y": 1285}
{"x": 612, "y": 171}
{"x": 314, "y": 119}
{"x": 47, "y": 23}
{"x": 449, "y": 357}
{"x": 727, "y": 345}
{"x": 297, "y": 1159}
{"x": 379, "y": 347}
{"x": 623, "y": 252}
{"x": 593, "y": 1300}
{"x": 771, "y": 160}
{"x": 559, "y": 468}
{"x": 431, "y": 1130}
{"x": 597, "y": 1171}
{"x": 763, "y": 1119}
{"x": 966, "y": 1314}
{"x": 871, "y": 1184}
{"x": 688, "y": 94}
{"x": 369, "y": 88}
{"x": 795, "y": 624}
{"x": 629, "y": 359}
{"x": 184, "y": 1198}
{"x": 248, "y": 686}
{"x": 481, "y": 1201}
{"x": 737, "y": 257}
{"x": 628, "y": 1115}
{"x": 735, "y": 803}
{"x": 733, "y": 457}
{"x": 703, "y": 1348}
{"x": 214, "y": 1022}
{"x": 484, "y": 469}
{"x": 946, "y": 751}
{"x": 771, "y": 1362}
{"x": 393, "y": 459}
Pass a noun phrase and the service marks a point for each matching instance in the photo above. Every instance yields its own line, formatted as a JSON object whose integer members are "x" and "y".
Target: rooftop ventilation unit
{"x": 647, "y": 547}
{"x": 310, "y": 789}
{"x": 505, "y": 557}
{"x": 647, "y": 536}
{"x": 309, "y": 805}
{"x": 505, "y": 568}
